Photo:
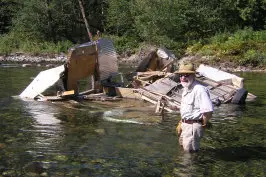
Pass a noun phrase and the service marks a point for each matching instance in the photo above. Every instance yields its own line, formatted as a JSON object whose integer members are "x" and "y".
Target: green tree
{"x": 46, "y": 20}
{"x": 178, "y": 20}
{"x": 253, "y": 13}
{"x": 8, "y": 9}
{"x": 56, "y": 20}
{"x": 119, "y": 18}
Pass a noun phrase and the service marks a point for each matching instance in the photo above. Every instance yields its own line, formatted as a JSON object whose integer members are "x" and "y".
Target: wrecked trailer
{"x": 87, "y": 66}
{"x": 94, "y": 64}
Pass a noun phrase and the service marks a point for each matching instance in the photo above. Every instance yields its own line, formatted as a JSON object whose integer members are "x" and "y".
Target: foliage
{"x": 8, "y": 9}
{"x": 123, "y": 43}
{"x": 246, "y": 47}
{"x": 173, "y": 24}
{"x": 45, "y": 20}
{"x": 13, "y": 42}
{"x": 119, "y": 18}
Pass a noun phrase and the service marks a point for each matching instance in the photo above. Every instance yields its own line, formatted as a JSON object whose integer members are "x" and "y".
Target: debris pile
{"x": 91, "y": 73}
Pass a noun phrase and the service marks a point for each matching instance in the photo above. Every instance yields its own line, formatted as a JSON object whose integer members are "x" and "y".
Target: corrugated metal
{"x": 107, "y": 58}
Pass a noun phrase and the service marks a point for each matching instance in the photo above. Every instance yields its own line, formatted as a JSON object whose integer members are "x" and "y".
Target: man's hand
{"x": 207, "y": 125}
{"x": 178, "y": 128}
{"x": 205, "y": 120}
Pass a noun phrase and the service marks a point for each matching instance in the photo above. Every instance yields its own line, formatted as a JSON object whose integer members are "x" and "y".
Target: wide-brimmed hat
{"x": 185, "y": 68}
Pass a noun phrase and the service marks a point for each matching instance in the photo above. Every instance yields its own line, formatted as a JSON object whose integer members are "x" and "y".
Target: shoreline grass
{"x": 244, "y": 47}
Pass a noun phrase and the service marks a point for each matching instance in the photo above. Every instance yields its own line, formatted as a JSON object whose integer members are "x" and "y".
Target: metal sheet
{"x": 107, "y": 58}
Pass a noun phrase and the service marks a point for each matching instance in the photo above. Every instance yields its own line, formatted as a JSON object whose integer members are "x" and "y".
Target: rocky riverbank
{"x": 30, "y": 60}
{"x": 135, "y": 59}
{"x": 48, "y": 60}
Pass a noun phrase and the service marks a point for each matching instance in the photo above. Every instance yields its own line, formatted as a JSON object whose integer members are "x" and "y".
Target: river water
{"x": 123, "y": 138}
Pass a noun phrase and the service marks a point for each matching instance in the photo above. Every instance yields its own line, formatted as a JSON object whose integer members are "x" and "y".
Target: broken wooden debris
{"x": 95, "y": 63}
{"x": 101, "y": 97}
{"x": 65, "y": 93}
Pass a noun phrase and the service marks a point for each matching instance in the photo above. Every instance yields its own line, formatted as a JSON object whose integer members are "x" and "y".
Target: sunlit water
{"x": 123, "y": 138}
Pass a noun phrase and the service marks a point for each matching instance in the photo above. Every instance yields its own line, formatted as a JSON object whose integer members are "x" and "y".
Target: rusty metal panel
{"x": 144, "y": 64}
{"x": 81, "y": 64}
{"x": 107, "y": 58}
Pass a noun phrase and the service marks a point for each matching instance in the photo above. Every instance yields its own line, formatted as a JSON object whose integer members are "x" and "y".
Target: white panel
{"x": 219, "y": 75}
{"x": 42, "y": 81}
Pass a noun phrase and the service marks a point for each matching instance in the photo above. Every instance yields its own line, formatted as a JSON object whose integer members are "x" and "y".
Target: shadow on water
{"x": 242, "y": 153}
{"x": 219, "y": 162}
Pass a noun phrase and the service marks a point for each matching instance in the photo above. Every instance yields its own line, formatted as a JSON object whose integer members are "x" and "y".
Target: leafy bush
{"x": 9, "y": 43}
{"x": 124, "y": 43}
{"x": 245, "y": 47}
{"x": 219, "y": 38}
{"x": 254, "y": 58}
{"x": 14, "y": 42}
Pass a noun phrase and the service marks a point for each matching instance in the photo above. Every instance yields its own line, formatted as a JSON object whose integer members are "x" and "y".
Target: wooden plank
{"x": 87, "y": 92}
{"x": 127, "y": 93}
{"x": 54, "y": 98}
{"x": 154, "y": 102}
{"x": 162, "y": 86}
{"x": 67, "y": 93}
{"x": 227, "y": 88}
{"x": 100, "y": 97}
{"x": 148, "y": 94}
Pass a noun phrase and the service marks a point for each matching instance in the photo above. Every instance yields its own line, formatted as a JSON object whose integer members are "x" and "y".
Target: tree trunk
{"x": 85, "y": 20}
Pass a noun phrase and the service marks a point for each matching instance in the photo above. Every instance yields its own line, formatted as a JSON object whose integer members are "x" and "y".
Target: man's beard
{"x": 187, "y": 84}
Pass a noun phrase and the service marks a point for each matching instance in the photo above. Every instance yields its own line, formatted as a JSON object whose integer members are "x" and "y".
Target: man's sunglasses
{"x": 184, "y": 75}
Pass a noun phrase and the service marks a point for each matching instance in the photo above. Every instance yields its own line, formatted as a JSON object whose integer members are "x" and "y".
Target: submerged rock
{"x": 2, "y": 145}
{"x": 34, "y": 167}
{"x": 100, "y": 131}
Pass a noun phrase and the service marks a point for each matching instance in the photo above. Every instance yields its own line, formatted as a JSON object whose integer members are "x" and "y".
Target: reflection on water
{"x": 42, "y": 112}
{"x": 46, "y": 127}
{"x": 2, "y": 65}
{"x": 113, "y": 114}
{"x": 123, "y": 138}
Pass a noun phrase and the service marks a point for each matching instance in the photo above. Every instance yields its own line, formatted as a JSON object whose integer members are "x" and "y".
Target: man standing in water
{"x": 196, "y": 108}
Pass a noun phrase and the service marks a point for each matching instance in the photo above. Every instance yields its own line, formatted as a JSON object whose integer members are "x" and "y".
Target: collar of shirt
{"x": 188, "y": 90}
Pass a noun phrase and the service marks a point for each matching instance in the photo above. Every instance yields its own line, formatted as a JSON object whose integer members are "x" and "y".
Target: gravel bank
{"x": 28, "y": 60}
{"x": 132, "y": 60}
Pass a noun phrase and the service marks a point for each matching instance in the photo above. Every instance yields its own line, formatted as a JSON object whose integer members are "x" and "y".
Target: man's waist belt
{"x": 191, "y": 121}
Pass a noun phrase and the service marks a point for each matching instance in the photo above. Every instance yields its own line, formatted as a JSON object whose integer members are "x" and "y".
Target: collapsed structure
{"x": 91, "y": 73}
{"x": 86, "y": 67}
